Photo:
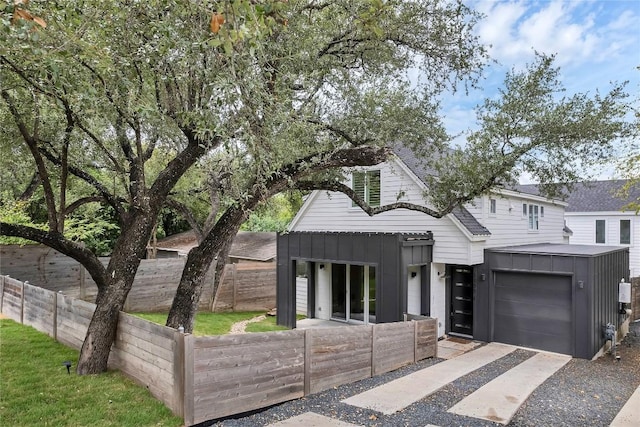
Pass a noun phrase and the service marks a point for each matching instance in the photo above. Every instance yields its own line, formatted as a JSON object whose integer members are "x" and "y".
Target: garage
{"x": 552, "y": 297}
{"x": 533, "y": 310}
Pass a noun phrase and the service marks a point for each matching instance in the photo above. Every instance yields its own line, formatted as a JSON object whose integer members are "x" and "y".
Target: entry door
{"x": 461, "y": 308}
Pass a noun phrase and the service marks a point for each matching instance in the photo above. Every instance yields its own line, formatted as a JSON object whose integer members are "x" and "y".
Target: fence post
{"x": 22, "y": 301}
{"x": 83, "y": 285}
{"x": 1, "y": 292}
{"x": 235, "y": 286}
{"x": 188, "y": 395}
{"x": 178, "y": 373}
{"x": 308, "y": 342}
{"x": 415, "y": 341}
{"x": 55, "y": 316}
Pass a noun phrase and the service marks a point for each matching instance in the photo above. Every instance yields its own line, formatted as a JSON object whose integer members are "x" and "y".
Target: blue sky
{"x": 596, "y": 42}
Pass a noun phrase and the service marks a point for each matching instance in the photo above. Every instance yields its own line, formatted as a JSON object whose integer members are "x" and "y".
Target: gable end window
{"x": 601, "y": 226}
{"x": 492, "y": 206}
{"x": 366, "y": 184}
{"x": 625, "y": 231}
{"x": 532, "y": 213}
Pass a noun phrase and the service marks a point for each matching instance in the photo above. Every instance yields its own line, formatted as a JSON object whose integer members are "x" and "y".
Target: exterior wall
{"x": 413, "y": 291}
{"x": 301, "y": 295}
{"x": 509, "y": 227}
{"x": 390, "y": 254}
{"x": 594, "y": 291}
{"x": 583, "y": 226}
{"x": 438, "y": 296}
{"x": 327, "y": 211}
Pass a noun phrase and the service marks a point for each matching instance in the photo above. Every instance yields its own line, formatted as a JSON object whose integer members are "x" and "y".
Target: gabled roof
{"x": 255, "y": 246}
{"x": 421, "y": 170}
{"x": 594, "y": 196}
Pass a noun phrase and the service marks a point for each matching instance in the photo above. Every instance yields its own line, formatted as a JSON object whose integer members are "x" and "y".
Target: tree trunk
{"x": 101, "y": 333}
{"x": 185, "y": 303}
{"x": 125, "y": 260}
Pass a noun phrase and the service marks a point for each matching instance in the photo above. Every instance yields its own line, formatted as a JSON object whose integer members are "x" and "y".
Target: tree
{"x": 274, "y": 91}
{"x": 146, "y": 105}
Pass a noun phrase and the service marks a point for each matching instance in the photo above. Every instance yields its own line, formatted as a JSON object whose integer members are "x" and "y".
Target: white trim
{"x": 629, "y": 214}
{"x": 303, "y": 209}
{"x": 527, "y": 196}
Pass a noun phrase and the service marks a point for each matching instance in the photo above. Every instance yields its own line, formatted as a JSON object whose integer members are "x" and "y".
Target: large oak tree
{"x": 125, "y": 100}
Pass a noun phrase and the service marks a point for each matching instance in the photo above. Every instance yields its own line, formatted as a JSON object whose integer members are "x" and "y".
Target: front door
{"x": 461, "y": 307}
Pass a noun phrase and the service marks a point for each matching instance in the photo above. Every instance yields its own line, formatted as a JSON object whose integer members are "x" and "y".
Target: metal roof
{"x": 560, "y": 249}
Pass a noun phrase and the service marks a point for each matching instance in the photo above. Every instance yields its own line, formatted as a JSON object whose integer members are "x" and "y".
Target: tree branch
{"x": 57, "y": 241}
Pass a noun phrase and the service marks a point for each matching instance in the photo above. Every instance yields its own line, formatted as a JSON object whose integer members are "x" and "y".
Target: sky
{"x": 595, "y": 42}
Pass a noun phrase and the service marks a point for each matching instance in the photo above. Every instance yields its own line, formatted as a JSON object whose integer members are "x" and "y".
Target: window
{"x": 492, "y": 206}
{"x": 533, "y": 213}
{"x": 367, "y": 185}
{"x": 533, "y": 217}
{"x": 625, "y": 231}
{"x": 600, "y": 230}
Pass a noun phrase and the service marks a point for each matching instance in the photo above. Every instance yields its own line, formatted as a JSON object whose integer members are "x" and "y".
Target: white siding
{"x": 413, "y": 291}
{"x": 301, "y": 295}
{"x": 438, "y": 296}
{"x": 323, "y": 291}
{"x": 510, "y": 228}
{"x": 326, "y": 211}
{"x": 583, "y": 226}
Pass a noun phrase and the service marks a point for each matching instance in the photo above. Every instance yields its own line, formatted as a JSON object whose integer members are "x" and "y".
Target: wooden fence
{"x": 635, "y": 299}
{"x": 204, "y": 378}
{"x": 249, "y": 286}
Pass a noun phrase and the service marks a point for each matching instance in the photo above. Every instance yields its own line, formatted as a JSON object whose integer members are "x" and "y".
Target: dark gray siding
{"x": 591, "y": 272}
{"x": 390, "y": 253}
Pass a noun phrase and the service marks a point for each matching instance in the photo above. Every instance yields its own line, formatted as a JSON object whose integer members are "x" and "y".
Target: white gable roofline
{"x": 510, "y": 193}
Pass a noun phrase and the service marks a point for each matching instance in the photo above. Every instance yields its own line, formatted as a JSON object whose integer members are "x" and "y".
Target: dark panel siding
{"x": 384, "y": 251}
{"x": 594, "y": 280}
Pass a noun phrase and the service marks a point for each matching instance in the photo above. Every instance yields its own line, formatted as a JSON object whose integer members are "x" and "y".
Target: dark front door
{"x": 461, "y": 309}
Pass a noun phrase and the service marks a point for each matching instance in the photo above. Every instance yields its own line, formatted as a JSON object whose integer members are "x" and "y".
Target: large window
{"x": 625, "y": 231}
{"x": 367, "y": 185}
{"x": 533, "y": 213}
{"x": 601, "y": 226}
{"x": 492, "y": 206}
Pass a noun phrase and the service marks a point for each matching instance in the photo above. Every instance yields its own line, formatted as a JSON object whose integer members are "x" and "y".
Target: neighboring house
{"x": 356, "y": 268}
{"x": 246, "y": 246}
{"x": 596, "y": 213}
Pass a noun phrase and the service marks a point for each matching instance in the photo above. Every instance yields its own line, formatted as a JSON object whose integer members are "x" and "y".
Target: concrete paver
{"x": 402, "y": 392}
{"x": 499, "y": 399}
{"x": 311, "y": 419}
{"x": 629, "y": 415}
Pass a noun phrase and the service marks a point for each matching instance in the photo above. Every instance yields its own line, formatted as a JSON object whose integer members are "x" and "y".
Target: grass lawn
{"x": 220, "y": 323}
{"x": 35, "y": 389}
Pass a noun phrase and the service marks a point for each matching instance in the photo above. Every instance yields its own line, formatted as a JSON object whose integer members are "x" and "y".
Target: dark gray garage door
{"x": 533, "y": 310}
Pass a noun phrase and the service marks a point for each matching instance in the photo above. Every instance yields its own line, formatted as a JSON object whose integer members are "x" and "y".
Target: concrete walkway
{"x": 398, "y": 394}
{"x": 500, "y": 399}
{"x": 629, "y": 415}
{"x": 310, "y": 419}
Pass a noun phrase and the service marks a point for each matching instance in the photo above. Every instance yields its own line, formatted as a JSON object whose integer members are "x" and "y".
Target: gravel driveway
{"x": 582, "y": 393}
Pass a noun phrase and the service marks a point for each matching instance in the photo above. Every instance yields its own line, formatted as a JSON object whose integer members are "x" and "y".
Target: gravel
{"x": 582, "y": 393}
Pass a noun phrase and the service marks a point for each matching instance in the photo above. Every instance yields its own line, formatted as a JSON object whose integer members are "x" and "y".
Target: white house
{"x": 597, "y": 216}
{"x": 436, "y": 272}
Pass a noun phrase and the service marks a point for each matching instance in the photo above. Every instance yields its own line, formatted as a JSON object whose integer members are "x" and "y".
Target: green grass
{"x": 208, "y": 323}
{"x": 35, "y": 388}
{"x": 220, "y": 323}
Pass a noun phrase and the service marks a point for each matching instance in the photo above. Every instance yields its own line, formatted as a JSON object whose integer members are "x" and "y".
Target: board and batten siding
{"x": 329, "y": 211}
{"x": 583, "y": 225}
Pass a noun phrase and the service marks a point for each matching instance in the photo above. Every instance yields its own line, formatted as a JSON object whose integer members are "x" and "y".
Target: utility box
{"x": 553, "y": 297}
{"x": 624, "y": 292}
